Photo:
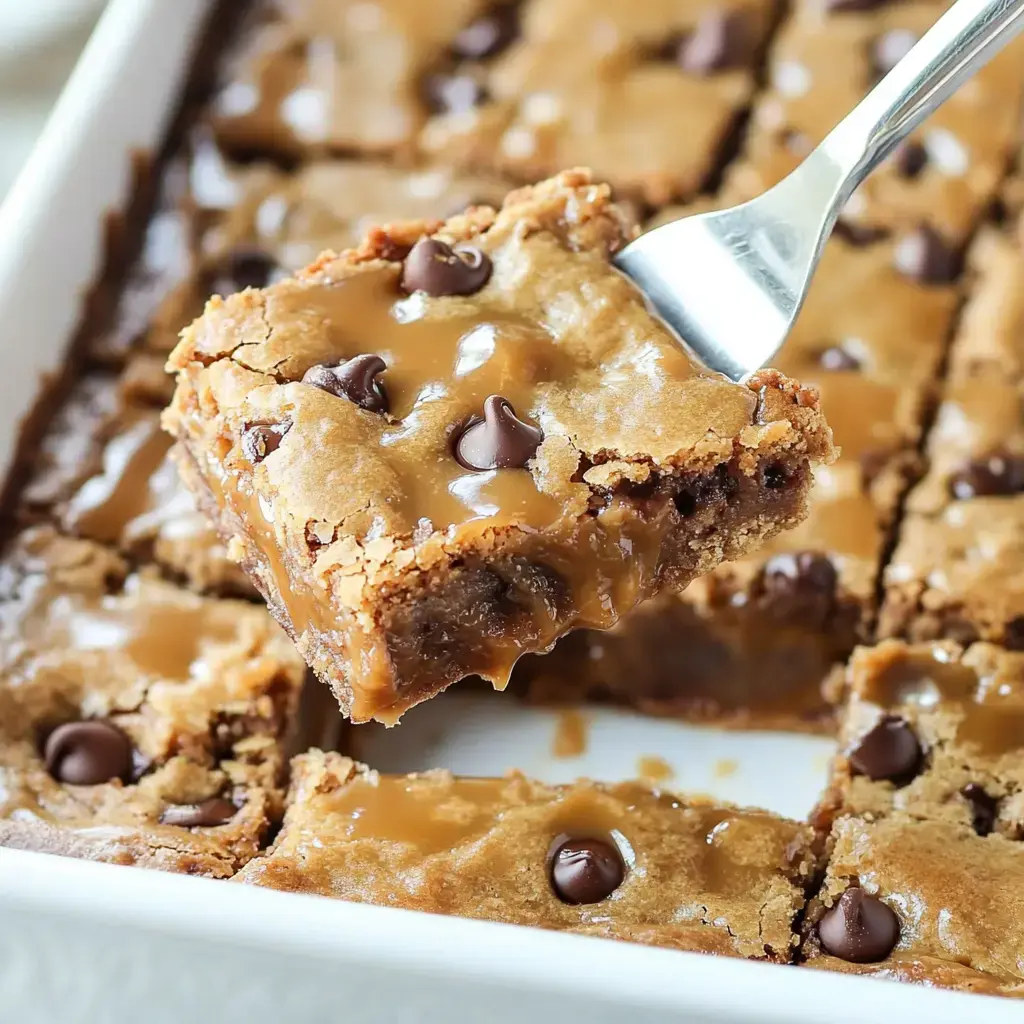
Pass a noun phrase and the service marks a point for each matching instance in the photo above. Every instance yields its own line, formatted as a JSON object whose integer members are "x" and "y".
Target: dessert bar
{"x": 925, "y": 902}
{"x": 955, "y": 570}
{"x": 619, "y": 861}
{"x": 521, "y": 88}
{"x": 139, "y": 723}
{"x": 935, "y": 732}
{"x": 449, "y": 447}
{"x": 934, "y": 190}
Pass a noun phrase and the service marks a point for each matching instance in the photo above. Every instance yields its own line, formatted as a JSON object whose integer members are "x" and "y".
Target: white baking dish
{"x": 90, "y": 943}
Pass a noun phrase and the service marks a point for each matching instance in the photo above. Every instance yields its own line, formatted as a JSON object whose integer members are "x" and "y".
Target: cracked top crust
{"x": 692, "y": 875}
{"x": 555, "y": 330}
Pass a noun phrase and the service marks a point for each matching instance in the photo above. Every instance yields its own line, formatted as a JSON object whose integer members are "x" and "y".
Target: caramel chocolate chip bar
{"x": 935, "y": 189}
{"x": 936, "y": 732}
{"x": 920, "y": 901}
{"x": 449, "y": 447}
{"x": 523, "y": 87}
{"x": 957, "y": 570}
{"x": 618, "y": 861}
{"x": 762, "y": 640}
{"x": 574, "y": 82}
{"x": 139, "y": 723}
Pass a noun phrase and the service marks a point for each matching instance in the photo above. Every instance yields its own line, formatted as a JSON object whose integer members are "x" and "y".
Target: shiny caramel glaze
{"x": 398, "y": 570}
{"x": 696, "y": 876}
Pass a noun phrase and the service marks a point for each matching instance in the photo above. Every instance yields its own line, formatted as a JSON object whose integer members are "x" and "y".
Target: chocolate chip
{"x": 355, "y": 379}
{"x": 498, "y": 440}
{"x": 890, "y": 48}
{"x": 207, "y": 814}
{"x": 262, "y": 439}
{"x": 925, "y": 256}
{"x": 994, "y": 475}
{"x": 488, "y": 35}
{"x": 800, "y": 585}
{"x": 888, "y": 750}
{"x": 859, "y": 928}
{"x": 586, "y": 871}
{"x": 722, "y": 40}
{"x": 775, "y": 476}
{"x": 846, "y": 6}
{"x": 838, "y": 359}
{"x": 1013, "y": 634}
{"x": 87, "y": 753}
{"x": 434, "y": 267}
{"x": 450, "y": 93}
{"x": 859, "y": 235}
{"x": 244, "y": 267}
{"x": 984, "y": 808}
{"x": 910, "y": 159}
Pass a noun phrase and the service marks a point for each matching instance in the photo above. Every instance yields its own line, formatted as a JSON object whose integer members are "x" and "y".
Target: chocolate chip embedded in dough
{"x": 984, "y": 808}
{"x": 205, "y": 814}
{"x": 262, "y": 439}
{"x": 925, "y": 256}
{"x": 860, "y": 928}
{"x": 722, "y": 40}
{"x": 889, "y": 750}
{"x": 488, "y": 35}
{"x": 436, "y": 268}
{"x": 354, "y": 379}
{"x": 88, "y": 752}
{"x": 586, "y": 871}
{"x": 498, "y": 440}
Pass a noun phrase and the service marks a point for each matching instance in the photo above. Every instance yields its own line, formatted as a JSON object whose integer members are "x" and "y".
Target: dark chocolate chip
{"x": 848, "y": 6}
{"x": 488, "y": 35}
{"x": 498, "y": 440}
{"x": 837, "y": 358}
{"x": 925, "y": 256}
{"x": 910, "y": 159}
{"x": 454, "y": 93}
{"x": 87, "y": 753}
{"x": 859, "y": 928}
{"x": 245, "y": 267}
{"x": 800, "y": 584}
{"x": 722, "y": 40}
{"x": 984, "y": 808}
{"x": 355, "y": 379}
{"x": 890, "y": 48}
{"x": 1013, "y": 634}
{"x": 859, "y": 235}
{"x": 888, "y": 750}
{"x": 207, "y": 814}
{"x": 586, "y": 871}
{"x": 775, "y": 476}
{"x": 960, "y": 631}
{"x": 262, "y": 439}
{"x": 994, "y": 475}
{"x": 434, "y": 267}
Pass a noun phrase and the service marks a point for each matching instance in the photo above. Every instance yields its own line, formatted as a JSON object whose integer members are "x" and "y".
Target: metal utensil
{"x": 732, "y": 282}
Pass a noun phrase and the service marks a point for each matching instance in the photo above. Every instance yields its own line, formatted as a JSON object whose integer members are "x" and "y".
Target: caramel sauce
{"x": 105, "y": 505}
{"x": 992, "y": 712}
